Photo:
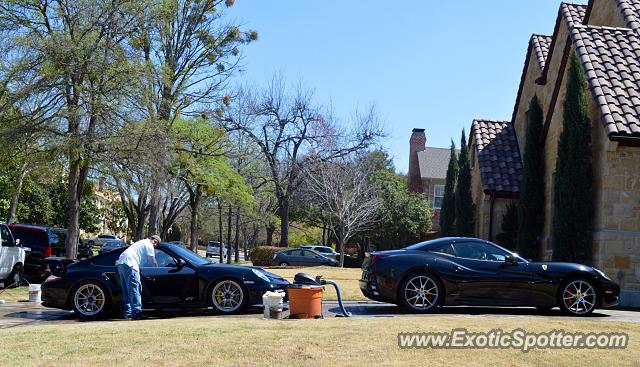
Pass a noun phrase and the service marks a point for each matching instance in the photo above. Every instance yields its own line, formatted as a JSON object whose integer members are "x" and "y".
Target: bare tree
{"x": 293, "y": 132}
{"x": 343, "y": 190}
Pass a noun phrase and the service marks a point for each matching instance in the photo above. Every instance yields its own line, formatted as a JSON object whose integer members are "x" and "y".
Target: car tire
{"x": 420, "y": 287}
{"x": 284, "y": 263}
{"x": 228, "y": 296}
{"x": 15, "y": 277}
{"x": 90, "y": 300}
{"x": 91, "y": 243}
{"x": 578, "y": 297}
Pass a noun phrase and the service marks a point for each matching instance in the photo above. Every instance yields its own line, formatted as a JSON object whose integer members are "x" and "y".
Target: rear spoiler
{"x": 56, "y": 265}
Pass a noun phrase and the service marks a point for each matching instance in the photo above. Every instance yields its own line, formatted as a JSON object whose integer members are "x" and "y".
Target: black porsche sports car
{"x": 182, "y": 280}
{"x": 474, "y": 272}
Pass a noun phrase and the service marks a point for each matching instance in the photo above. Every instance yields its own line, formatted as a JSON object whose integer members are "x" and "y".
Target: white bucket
{"x": 35, "y": 293}
{"x": 273, "y": 307}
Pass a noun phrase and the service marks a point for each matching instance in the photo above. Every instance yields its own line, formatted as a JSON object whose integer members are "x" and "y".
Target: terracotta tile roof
{"x": 630, "y": 10}
{"x": 540, "y": 45}
{"x": 573, "y": 13}
{"x": 498, "y": 155}
{"x": 434, "y": 162}
{"x": 611, "y": 61}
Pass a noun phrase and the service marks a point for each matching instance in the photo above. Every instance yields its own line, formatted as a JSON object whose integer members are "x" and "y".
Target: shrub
{"x": 262, "y": 255}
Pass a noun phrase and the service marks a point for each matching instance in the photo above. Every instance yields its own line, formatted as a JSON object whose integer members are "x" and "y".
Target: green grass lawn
{"x": 15, "y": 294}
{"x": 227, "y": 341}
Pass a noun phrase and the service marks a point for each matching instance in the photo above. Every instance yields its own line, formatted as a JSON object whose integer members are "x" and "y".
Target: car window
{"x": 164, "y": 260}
{"x": 307, "y": 253}
{"x": 57, "y": 238}
{"x": 30, "y": 237}
{"x": 324, "y": 250}
{"x": 445, "y": 249}
{"x": 479, "y": 251}
{"x": 7, "y": 240}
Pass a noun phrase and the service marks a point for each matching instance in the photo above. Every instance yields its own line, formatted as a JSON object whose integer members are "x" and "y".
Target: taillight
{"x": 376, "y": 257}
{"x": 52, "y": 278}
{"x": 48, "y": 251}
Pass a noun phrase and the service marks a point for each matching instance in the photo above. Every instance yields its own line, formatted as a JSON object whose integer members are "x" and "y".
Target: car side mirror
{"x": 511, "y": 260}
{"x": 180, "y": 264}
{"x": 18, "y": 242}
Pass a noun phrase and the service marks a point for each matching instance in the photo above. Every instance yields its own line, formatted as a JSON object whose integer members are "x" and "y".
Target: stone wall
{"x": 606, "y": 13}
{"x": 429, "y": 189}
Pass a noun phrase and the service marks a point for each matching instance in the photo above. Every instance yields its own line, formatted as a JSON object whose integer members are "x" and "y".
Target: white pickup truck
{"x": 12, "y": 257}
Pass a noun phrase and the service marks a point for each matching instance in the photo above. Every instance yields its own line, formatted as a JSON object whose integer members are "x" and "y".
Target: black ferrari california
{"x": 474, "y": 272}
{"x": 182, "y": 280}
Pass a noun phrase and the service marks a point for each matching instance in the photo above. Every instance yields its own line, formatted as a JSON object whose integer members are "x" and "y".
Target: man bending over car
{"x": 128, "y": 264}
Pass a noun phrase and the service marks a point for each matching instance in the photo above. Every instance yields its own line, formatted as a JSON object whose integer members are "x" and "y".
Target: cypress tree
{"x": 573, "y": 193}
{"x": 464, "y": 203}
{"x": 507, "y": 238}
{"x": 531, "y": 203}
{"x": 448, "y": 207}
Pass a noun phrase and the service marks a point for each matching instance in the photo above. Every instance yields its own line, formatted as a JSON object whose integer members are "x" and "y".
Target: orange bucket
{"x": 305, "y": 303}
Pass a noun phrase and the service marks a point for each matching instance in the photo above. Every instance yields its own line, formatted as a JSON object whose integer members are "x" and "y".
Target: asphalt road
{"x": 21, "y": 314}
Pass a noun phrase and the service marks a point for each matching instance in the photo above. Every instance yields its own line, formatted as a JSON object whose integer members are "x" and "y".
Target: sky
{"x": 429, "y": 64}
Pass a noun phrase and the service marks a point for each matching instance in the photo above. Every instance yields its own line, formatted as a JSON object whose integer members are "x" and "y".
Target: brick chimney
{"x": 417, "y": 143}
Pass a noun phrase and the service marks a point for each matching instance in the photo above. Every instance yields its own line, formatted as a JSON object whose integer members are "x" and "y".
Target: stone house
{"x": 428, "y": 171}
{"x": 496, "y": 172}
{"x": 605, "y": 34}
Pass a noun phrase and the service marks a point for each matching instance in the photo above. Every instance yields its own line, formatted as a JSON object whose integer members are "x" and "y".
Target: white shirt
{"x": 137, "y": 254}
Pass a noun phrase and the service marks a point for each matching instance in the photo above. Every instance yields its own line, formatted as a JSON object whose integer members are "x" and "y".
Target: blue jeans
{"x": 131, "y": 290}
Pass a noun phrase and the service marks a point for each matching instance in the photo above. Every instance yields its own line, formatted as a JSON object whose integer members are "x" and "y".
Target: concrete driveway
{"x": 20, "y": 314}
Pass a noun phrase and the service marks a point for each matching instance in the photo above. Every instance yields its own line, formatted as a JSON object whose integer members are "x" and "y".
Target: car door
{"x": 168, "y": 284}
{"x": 311, "y": 258}
{"x": 480, "y": 278}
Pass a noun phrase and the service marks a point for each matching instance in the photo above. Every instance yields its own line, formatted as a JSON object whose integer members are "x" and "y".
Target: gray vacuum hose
{"x": 335, "y": 285}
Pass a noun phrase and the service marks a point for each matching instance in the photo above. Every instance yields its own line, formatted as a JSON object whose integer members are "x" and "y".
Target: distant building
{"x": 428, "y": 171}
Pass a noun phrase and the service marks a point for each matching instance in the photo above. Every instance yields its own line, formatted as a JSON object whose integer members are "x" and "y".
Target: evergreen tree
{"x": 573, "y": 196}
{"x": 507, "y": 237}
{"x": 448, "y": 206}
{"x": 464, "y": 203}
{"x": 531, "y": 203}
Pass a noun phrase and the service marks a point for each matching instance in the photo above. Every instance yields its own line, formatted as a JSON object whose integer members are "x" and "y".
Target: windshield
{"x": 188, "y": 255}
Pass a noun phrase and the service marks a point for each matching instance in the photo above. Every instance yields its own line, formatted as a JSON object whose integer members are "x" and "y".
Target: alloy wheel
{"x": 227, "y": 296}
{"x": 579, "y": 297}
{"x": 421, "y": 292}
{"x": 89, "y": 299}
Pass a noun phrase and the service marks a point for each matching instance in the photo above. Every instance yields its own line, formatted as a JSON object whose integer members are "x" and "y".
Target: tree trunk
{"x": 15, "y": 196}
{"x": 341, "y": 241}
{"x": 73, "y": 202}
{"x": 284, "y": 222}
{"x": 270, "y": 228}
{"x": 195, "y": 203}
{"x": 229, "y": 248}
{"x": 237, "y": 239}
{"x": 324, "y": 235}
{"x": 154, "y": 208}
{"x": 221, "y": 257}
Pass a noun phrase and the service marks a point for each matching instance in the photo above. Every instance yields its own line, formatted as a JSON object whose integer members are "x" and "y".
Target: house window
{"x": 438, "y": 193}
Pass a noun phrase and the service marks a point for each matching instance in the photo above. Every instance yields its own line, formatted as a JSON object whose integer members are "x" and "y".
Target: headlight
{"x": 602, "y": 273}
{"x": 260, "y": 275}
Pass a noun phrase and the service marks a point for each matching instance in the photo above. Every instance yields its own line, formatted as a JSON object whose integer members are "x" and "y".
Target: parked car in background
{"x": 181, "y": 280}
{"x": 12, "y": 256}
{"x": 301, "y": 257}
{"x": 323, "y": 250}
{"x": 100, "y": 239}
{"x": 44, "y": 242}
{"x": 474, "y": 272}
{"x": 111, "y": 245}
{"x": 213, "y": 250}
